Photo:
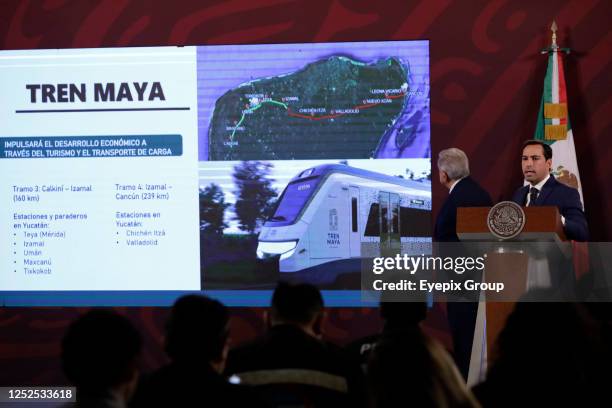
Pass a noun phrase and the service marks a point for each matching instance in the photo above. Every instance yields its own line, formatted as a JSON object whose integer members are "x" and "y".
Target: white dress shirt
{"x": 538, "y": 186}
{"x": 450, "y": 190}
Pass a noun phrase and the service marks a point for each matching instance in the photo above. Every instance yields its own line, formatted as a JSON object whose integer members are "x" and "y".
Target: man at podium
{"x": 454, "y": 174}
{"x": 544, "y": 190}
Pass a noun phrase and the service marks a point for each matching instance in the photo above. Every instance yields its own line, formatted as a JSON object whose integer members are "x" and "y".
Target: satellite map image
{"x": 324, "y": 108}
{"x": 314, "y": 101}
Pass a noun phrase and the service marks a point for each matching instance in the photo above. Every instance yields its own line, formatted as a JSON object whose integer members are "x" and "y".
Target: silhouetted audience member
{"x": 291, "y": 364}
{"x": 99, "y": 356}
{"x": 412, "y": 370}
{"x": 398, "y": 317}
{"x": 548, "y": 354}
{"x": 197, "y": 332}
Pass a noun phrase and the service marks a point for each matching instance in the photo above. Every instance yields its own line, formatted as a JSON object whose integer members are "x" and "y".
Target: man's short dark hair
{"x": 197, "y": 328}
{"x": 296, "y": 303}
{"x": 99, "y": 351}
{"x": 545, "y": 147}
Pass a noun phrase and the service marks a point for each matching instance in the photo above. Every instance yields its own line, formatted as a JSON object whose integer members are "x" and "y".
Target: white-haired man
{"x": 454, "y": 174}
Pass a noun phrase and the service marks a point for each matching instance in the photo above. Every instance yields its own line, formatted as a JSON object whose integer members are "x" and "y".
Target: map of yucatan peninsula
{"x": 329, "y": 109}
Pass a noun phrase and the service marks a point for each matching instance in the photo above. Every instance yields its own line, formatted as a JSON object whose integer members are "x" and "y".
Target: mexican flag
{"x": 554, "y": 126}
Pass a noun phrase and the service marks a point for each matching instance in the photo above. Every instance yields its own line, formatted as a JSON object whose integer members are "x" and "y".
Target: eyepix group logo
{"x": 506, "y": 220}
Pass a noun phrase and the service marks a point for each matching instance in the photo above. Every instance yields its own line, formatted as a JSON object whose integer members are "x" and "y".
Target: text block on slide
{"x": 99, "y": 170}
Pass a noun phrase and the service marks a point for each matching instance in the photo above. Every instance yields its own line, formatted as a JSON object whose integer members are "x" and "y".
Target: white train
{"x": 329, "y": 217}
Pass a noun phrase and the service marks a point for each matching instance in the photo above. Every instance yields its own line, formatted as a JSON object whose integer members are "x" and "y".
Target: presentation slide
{"x": 98, "y": 165}
{"x": 129, "y": 176}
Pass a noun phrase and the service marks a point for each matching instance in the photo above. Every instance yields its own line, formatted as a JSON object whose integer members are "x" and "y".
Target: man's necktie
{"x": 533, "y": 195}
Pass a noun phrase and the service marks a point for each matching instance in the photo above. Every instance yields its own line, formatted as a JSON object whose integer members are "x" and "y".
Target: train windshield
{"x": 293, "y": 199}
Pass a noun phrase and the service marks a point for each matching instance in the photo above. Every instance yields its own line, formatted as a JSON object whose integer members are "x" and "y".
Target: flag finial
{"x": 553, "y": 28}
{"x": 554, "y": 47}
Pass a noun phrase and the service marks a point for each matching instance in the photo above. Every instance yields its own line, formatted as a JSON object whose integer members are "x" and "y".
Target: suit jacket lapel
{"x": 547, "y": 188}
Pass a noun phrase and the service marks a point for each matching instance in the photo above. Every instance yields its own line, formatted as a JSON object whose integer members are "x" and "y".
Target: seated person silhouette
{"x": 99, "y": 356}
{"x": 291, "y": 364}
{"x": 413, "y": 370}
{"x": 548, "y": 354}
{"x": 398, "y": 319}
{"x": 197, "y": 333}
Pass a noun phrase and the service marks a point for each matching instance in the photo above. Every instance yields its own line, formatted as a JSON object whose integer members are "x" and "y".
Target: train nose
{"x": 268, "y": 249}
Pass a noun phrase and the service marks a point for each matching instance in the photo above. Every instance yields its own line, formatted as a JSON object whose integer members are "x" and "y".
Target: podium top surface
{"x": 542, "y": 223}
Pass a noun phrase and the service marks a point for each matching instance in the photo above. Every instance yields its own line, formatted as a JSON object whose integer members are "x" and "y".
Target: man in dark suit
{"x": 454, "y": 174}
{"x": 544, "y": 190}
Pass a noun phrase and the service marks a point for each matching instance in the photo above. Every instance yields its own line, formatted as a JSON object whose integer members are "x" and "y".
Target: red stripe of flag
{"x": 562, "y": 91}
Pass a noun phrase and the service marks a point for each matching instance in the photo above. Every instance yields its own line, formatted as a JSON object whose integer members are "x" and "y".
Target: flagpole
{"x": 553, "y": 46}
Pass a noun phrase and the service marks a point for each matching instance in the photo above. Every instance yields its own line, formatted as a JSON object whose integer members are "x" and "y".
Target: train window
{"x": 384, "y": 219}
{"x": 395, "y": 219}
{"x": 293, "y": 200}
{"x": 415, "y": 222}
{"x": 394, "y": 208}
{"x": 384, "y": 201}
{"x": 354, "y": 213}
{"x": 372, "y": 228}
{"x": 306, "y": 173}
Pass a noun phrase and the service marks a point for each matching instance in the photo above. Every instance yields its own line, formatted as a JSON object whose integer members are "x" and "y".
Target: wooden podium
{"x": 542, "y": 224}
